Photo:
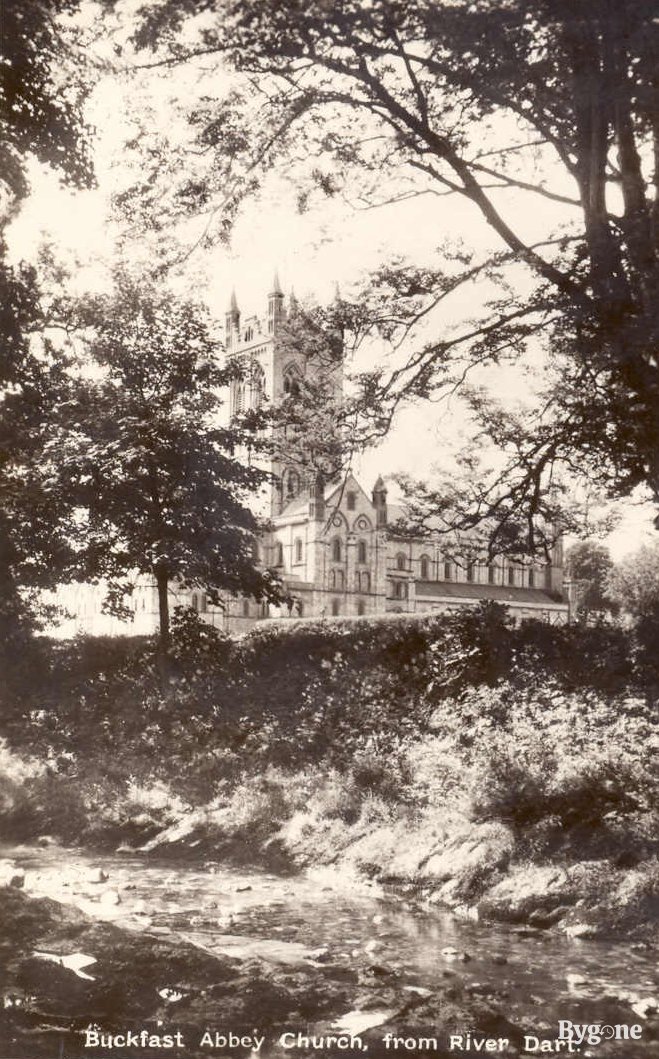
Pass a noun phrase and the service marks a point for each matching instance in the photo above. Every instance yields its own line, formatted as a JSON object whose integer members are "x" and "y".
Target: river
{"x": 324, "y": 919}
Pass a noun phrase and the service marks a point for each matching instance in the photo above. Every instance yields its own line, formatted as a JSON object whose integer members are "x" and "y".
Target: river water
{"x": 536, "y": 977}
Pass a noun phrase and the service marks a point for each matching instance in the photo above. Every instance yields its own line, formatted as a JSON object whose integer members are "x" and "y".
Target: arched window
{"x": 279, "y": 560}
{"x": 361, "y": 607}
{"x": 298, "y": 550}
{"x": 351, "y": 501}
{"x": 448, "y": 571}
{"x": 292, "y": 484}
{"x": 245, "y": 608}
{"x": 470, "y": 571}
{"x": 195, "y": 601}
{"x": 240, "y": 397}
{"x": 202, "y": 603}
{"x": 491, "y": 574}
{"x": 336, "y": 607}
{"x": 336, "y": 550}
{"x": 424, "y": 567}
{"x": 401, "y": 561}
{"x": 531, "y": 578}
{"x": 258, "y": 386}
{"x": 361, "y": 551}
{"x": 339, "y": 578}
{"x": 365, "y": 581}
{"x": 511, "y": 575}
{"x": 400, "y": 589}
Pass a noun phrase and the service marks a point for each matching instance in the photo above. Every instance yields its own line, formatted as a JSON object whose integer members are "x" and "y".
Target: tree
{"x": 589, "y": 565}
{"x": 40, "y": 118}
{"x": 156, "y": 478}
{"x": 557, "y": 100}
{"x": 634, "y": 583}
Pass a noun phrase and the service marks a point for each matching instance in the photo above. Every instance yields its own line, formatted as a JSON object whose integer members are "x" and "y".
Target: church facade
{"x": 335, "y": 546}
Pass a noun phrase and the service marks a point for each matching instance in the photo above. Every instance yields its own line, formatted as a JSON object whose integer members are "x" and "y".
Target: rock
{"x": 500, "y": 961}
{"x": 242, "y": 889}
{"x": 45, "y": 840}
{"x": 10, "y": 875}
{"x": 97, "y": 875}
{"x": 645, "y": 1006}
{"x": 581, "y": 930}
{"x": 172, "y": 996}
{"x": 110, "y": 897}
{"x": 575, "y": 979}
{"x": 456, "y": 955}
{"x": 320, "y": 955}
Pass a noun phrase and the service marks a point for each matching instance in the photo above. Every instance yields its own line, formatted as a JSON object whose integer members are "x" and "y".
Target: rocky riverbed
{"x": 170, "y": 958}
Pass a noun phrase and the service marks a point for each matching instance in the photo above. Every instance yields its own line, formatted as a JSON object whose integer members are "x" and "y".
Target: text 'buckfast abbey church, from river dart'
{"x": 333, "y": 547}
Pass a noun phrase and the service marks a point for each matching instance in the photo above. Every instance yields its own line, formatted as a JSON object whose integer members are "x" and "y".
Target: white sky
{"x": 332, "y": 243}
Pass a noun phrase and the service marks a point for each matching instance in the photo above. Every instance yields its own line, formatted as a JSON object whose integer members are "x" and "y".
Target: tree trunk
{"x": 164, "y": 639}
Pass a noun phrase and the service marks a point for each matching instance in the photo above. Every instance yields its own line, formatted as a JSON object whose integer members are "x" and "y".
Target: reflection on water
{"x": 537, "y": 977}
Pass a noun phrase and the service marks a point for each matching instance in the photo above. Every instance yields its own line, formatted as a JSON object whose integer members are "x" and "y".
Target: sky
{"x": 334, "y": 242}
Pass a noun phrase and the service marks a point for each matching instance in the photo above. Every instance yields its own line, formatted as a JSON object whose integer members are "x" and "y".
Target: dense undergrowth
{"x": 458, "y": 752}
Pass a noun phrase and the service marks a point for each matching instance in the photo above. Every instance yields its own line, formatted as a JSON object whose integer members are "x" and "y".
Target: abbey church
{"x": 334, "y": 546}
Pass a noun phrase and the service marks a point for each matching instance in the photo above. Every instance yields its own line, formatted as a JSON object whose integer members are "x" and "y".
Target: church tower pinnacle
{"x": 275, "y": 305}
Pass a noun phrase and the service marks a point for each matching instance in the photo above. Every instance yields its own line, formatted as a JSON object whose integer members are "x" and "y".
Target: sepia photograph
{"x": 329, "y": 529}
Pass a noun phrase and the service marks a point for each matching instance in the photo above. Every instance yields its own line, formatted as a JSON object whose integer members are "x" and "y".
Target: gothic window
{"x": 448, "y": 571}
{"x": 491, "y": 574}
{"x": 531, "y": 578}
{"x": 400, "y": 590}
{"x": 401, "y": 561}
{"x": 336, "y": 607}
{"x": 202, "y": 603}
{"x": 336, "y": 550}
{"x": 249, "y": 334}
{"x": 292, "y": 484}
{"x": 337, "y": 579}
{"x": 361, "y": 607}
{"x": 279, "y": 561}
{"x": 258, "y": 386}
{"x": 298, "y": 550}
{"x": 265, "y": 610}
{"x": 365, "y": 581}
{"x": 240, "y": 399}
{"x": 195, "y": 601}
{"x": 352, "y": 501}
{"x": 361, "y": 552}
{"x": 424, "y": 567}
{"x": 470, "y": 571}
{"x": 245, "y": 608}
{"x": 511, "y": 575}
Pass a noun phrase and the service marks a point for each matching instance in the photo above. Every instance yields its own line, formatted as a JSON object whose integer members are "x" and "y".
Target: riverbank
{"x": 506, "y": 774}
{"x": 121, "y": 944}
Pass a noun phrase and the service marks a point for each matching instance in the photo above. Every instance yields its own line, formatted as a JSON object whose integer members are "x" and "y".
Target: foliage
{"x": 149, "y": 463}
{"x": 553, "y": 100}
{"x": 40, "y": 117}
{"x": 589, "y": 564}
{"x": 41, "y": 94}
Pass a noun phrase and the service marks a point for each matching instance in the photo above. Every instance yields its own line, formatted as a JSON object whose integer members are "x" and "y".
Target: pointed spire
{"x": 233, "y": 302}
{"x": 292, "y": 299}
{"x": 276, "y": 285}
{"x": 379, "y": 486}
